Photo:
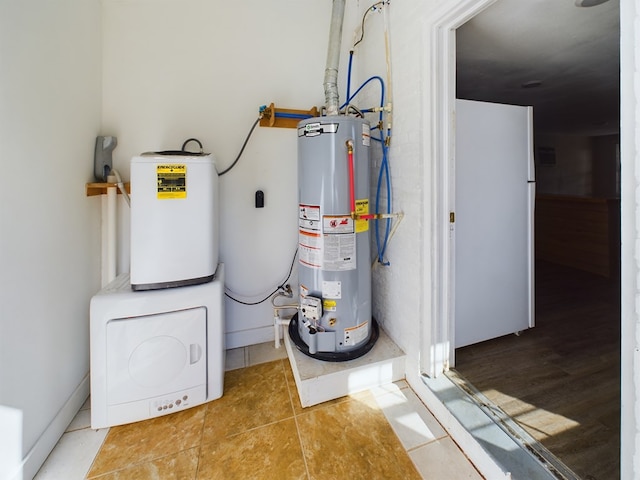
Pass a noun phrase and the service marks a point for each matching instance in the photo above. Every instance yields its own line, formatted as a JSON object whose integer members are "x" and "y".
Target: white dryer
{"x": 155, "y": 352}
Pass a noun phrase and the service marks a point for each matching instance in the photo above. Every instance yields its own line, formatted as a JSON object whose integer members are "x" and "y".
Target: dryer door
{"x": 154, "y": 355}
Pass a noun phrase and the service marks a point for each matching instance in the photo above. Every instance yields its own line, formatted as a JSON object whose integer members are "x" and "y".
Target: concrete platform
{"x": 319, "y": 381}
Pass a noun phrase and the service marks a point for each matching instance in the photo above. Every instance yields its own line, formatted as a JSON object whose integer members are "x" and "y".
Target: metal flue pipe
{"x": 333, "y": 57}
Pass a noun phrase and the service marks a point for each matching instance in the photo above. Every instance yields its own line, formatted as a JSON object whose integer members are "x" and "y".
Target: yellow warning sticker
{"x": 329, "y": 305}
{"x": 362, "y": 208}
{"x": 172, "y": 180}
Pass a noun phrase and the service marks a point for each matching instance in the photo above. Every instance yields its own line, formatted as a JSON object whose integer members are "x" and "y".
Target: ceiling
{"x": 573, "y": 51}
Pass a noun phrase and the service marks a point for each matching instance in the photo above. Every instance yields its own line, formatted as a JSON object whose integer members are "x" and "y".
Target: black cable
{"x": 279, "y": 287}
{"x": 191, "y": 140}
{"x": 372, "y": 8}
{"x": 242, "y": 149}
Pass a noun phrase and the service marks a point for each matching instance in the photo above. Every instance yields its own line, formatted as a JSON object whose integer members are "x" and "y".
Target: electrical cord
{"x": 246, "y": 140}
{"x": 282, "y": 286}
{"x": 372, "y": 8}
{"x": 186, "y": 142}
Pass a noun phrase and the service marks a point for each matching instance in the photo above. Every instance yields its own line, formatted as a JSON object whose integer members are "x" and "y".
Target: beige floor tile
{"x": 265, "y": 352}
{"x": 389, "y": 388}
{"x": 265, "y": 453}
{"x": 258, "y": 430}
{"x": 235, "y": 358}
{"x": 80, "y": 421}
{"x": 178, "y": 466}
{"x": 443, "y": 459}
{"x": 72, "y": 456}
{"x": 253, "y": 397}
{"x": 409, "y": 418}
{"x": 352, "y": 439}
{"x": 141, "y": 442}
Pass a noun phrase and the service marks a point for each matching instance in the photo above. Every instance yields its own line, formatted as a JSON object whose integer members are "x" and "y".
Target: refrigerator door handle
{"x": 531, "y": 187}
{"x": 531, "y": 167}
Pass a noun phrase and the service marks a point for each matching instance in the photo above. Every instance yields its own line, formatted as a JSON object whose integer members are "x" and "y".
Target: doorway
{"x": 588, "y": 299}
{"x": 560, "y": 381}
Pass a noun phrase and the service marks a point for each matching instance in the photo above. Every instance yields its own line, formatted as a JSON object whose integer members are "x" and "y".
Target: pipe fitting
{"x": 349, "y": 145}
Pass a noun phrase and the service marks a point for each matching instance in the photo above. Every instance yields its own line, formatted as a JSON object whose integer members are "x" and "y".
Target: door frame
{"x": 437, "y": 352}
{"x": 439, "y": 107}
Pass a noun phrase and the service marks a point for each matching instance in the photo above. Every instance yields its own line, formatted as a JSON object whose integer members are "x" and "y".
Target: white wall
{"x": 179, "y": 69}
{"x": 399, "y": 289}
{"x": 49, "y": 238}
{"x": 573, "y": 171}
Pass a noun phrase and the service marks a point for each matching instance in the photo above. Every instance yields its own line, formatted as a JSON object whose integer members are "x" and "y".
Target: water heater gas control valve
{"x": 311, "y": 308}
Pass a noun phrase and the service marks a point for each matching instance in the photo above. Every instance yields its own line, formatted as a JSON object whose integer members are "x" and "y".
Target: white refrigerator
{"x": 494, "y": 221}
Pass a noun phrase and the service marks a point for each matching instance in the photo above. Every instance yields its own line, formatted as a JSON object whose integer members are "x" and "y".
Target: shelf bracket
{"x": 284, "y": 117}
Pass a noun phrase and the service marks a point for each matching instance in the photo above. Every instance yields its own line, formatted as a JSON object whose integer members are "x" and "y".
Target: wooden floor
{"x": 561, "y": 380}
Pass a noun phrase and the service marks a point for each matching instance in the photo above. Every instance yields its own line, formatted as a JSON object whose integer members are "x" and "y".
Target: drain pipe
{"x": 278, "y": 321}
{"x": 333, "y": 58}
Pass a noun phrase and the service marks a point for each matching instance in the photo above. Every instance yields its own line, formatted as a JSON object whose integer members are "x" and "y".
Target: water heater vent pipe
{"x": 333, "y": 57}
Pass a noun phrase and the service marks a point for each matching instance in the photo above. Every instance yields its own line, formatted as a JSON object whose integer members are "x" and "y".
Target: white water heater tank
{"x": 174, "y": 219}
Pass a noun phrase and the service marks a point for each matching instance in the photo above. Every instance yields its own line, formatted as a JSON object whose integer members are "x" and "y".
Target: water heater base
{"x": 333, "y": 356}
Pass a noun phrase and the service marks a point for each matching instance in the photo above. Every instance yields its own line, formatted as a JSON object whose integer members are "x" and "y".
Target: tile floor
{"x": 258, "y": 429}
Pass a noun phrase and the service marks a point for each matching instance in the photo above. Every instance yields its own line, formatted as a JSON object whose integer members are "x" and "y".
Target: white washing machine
{"x": 155, "y": 352}
{"x": 174, "y": 220}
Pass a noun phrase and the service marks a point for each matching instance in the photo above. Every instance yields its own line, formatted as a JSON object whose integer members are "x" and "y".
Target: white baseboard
{"x": 248, "y": 337}
{"x": 34, "y": 459}
{"x": 10, "y": 443}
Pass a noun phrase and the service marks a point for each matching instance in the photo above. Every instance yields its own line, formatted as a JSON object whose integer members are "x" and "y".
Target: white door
{"x": 494, "y": 197}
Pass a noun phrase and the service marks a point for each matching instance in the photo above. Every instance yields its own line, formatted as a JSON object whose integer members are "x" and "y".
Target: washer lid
{"x": 178, "y": 153}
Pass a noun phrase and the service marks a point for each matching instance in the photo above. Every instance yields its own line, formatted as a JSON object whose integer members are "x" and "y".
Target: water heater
{"x": 334, "y": 320}
{"x": 174, "y": 219}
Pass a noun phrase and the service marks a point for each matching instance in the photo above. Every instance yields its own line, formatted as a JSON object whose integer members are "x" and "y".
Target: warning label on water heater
{"x": 326, "y": 242}
{"x": 366, "y": 135}
{"x": 362, "y": 208}
{"x": 172, "y": 181}
{"x": 339, "y": 240}
{"x": 309, "y": 236}
{"x": 355, "y": 335}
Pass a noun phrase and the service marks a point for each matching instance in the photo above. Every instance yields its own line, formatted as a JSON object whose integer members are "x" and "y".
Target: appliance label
{"x": 355, "y": 335}
{"x": 310, "y": 249}
{"x": 334, "y": 224}
{"x": 172, "y": 181}
{"x": 309, "y": 236}
{"x": 309, "y": 213}
{"x": 329, "y": 305}
{"x": 339, "y": 243}
{"x": 366, "y": 135}
{"x": 331, "y": 289}
{"x": 362, "y": 208}
{"x": 315, "y": 129}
